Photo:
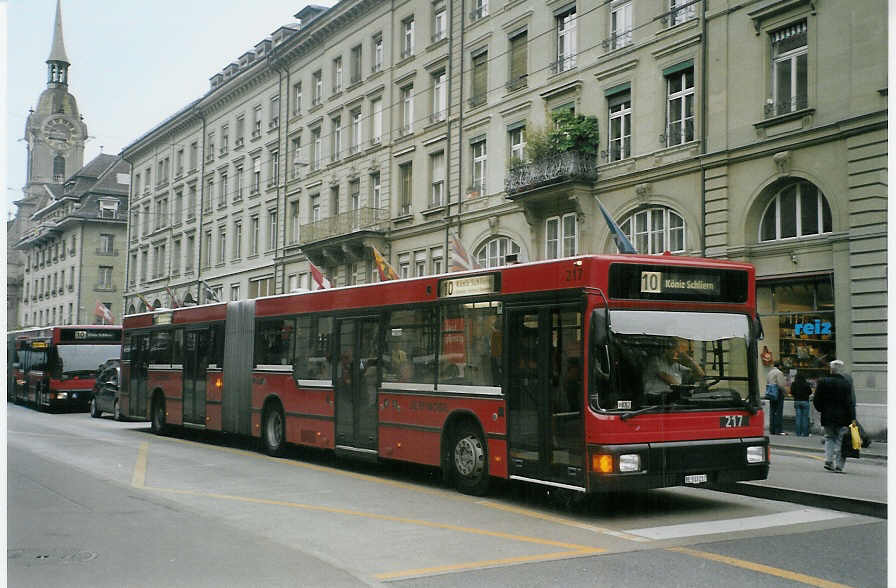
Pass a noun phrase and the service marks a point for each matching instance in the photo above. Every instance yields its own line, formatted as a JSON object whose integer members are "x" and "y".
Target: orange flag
{"x": 387, "y": 272}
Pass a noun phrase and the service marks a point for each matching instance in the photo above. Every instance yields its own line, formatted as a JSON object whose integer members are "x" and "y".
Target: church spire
{"x": 57, "y": 62}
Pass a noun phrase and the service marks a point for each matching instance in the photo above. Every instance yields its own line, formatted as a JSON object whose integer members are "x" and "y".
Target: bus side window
{"x": 273, "y": 342}
{"x": 216, "y": 345}
{"x": 311, "y": 358}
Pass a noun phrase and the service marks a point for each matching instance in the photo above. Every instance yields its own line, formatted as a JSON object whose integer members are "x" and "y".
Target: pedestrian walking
{"x": 801, "y": 391}
{"x": 775, "y": 389}
{"x": 836, "y": 403}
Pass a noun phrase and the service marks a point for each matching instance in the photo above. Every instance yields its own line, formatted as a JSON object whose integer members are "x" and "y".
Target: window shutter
{"x": 479, "y": 74}
{"x": 518, "y": 56}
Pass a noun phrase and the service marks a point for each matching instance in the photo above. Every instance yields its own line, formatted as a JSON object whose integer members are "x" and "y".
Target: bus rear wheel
{"x": 468, "y": 460}
{"x": 273, "y": 431}
{"x": 158, "y": 424}
{"x": 95, "y": 411}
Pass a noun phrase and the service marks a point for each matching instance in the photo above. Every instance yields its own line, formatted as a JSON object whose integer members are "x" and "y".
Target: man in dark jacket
{"x": 834, "y": 400}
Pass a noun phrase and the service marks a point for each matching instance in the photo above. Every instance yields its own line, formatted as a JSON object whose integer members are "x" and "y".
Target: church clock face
{"x": 59, "y": 132}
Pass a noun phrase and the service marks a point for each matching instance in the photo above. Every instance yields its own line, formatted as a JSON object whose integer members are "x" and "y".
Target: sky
{"x": 133, "y": 63}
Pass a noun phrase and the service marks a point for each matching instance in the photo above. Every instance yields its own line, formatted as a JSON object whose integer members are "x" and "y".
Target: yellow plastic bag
{"x": 856, "y": 438}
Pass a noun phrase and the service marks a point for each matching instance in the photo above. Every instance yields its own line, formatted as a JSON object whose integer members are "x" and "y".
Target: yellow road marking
{"x": 757, "y": 567}
{"x": 482, "y": 564}
{"x": 139, "y": 476}
{"x": 561, "y": 521}
{"x": 382, "y": 517}
{"x": 800, "y": 453}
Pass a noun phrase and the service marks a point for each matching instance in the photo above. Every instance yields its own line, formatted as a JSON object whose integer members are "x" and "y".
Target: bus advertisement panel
{"x": 592, "y": 373}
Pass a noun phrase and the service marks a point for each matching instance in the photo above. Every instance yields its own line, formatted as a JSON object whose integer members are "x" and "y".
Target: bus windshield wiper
{"x": 643, "y": 410}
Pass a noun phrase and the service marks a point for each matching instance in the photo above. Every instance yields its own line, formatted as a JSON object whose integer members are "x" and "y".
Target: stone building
{"x": 65, "y": 246}
{"x": 752, "y": 131}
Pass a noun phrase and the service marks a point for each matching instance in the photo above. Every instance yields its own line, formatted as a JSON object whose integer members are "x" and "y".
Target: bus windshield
{"x": 76, "y": 360}
{"x": 672, "y": 360}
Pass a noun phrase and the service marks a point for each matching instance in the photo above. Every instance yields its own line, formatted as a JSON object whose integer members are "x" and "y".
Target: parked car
{"x": 105, "y": 391}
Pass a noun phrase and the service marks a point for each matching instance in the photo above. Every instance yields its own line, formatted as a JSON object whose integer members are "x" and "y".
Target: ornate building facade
{"x": 753, "y": 132}
{"x": 61, "y": 247}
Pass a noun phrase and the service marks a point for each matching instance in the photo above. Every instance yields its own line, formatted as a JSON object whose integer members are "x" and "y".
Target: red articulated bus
{"x": 56, "y": 367}
{"x": 590, "y": 373}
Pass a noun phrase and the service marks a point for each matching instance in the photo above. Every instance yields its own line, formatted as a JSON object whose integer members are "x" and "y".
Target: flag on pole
{"x": 622, "y": 242}
{"x": 460, "y": 259}
{"x": 210, "y": 294}
{"x": 387, "y": 272}
{"x": 146, "y": 302}
{"x": 103, "y": 313}
{"x": 174, "y": 300}
{"x": 319, "y": 278}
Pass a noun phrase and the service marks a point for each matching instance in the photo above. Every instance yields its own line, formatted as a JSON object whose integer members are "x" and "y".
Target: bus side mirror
{"x": 758, "y": 333}
{"x": 599, "y": 327}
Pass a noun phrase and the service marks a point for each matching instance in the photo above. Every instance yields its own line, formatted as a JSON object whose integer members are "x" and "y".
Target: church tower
{"x": 54, "y": 131}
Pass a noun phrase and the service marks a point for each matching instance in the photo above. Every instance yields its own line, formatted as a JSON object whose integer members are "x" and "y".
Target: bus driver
{"x": 667, "y": 368}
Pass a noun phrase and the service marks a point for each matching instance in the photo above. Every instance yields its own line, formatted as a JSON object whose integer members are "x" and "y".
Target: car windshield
{"x": 674, "y": 360}
{"x": 82, "y": 359}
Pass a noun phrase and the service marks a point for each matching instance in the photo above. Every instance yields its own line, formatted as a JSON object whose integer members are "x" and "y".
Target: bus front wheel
{"x": 468, "y": 460}
{"x": 273, "y": 433}
{"x": 158, "y": 424}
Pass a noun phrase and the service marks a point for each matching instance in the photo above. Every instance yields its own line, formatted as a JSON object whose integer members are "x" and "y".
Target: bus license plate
{"x": 695, "y": 479}
{"x": 731, "y": 421}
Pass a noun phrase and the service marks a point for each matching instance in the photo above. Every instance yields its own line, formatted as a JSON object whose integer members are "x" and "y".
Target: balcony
{"x": 561, "y": 168}
{"x": 343, "y": 237}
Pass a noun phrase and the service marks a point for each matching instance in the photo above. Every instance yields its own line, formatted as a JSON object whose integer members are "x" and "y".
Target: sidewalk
{"x": 815, "y": 443}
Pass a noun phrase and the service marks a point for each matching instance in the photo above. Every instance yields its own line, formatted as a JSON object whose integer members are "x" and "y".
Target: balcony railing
{"x": 365, "y": 218}
{"x": 562, "y": 167}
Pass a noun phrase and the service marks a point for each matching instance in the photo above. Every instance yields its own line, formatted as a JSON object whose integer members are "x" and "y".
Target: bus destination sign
{"x": 641, "y": 281}
{"x": 79, "y": 335}
{"x": 468, "y": 286}
{"x": 672, "y": 283}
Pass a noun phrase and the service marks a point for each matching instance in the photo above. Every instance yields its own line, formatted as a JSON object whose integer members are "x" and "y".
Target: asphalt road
{"x": 100, "y": 503}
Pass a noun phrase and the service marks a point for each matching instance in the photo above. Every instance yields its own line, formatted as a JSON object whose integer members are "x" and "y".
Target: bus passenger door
{"x": 139, "y": 373}
{"x": 196, "y": 356}
{"x": 356, "y": 381}
{"x": 545, "y": 396}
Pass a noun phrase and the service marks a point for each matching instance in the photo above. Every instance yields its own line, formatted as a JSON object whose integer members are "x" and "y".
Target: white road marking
{"x": 806, "y": 515}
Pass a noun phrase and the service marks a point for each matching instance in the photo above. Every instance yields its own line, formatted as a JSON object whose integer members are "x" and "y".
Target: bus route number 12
{"x": 651, "y": 282}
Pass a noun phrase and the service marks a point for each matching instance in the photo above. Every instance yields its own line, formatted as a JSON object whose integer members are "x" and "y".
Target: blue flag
{"x": 622, "y": 242}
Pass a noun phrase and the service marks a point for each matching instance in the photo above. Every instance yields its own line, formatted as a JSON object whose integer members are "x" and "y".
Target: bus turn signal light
{"x": 218, "y": 383}
{"x": 602, "y": 463}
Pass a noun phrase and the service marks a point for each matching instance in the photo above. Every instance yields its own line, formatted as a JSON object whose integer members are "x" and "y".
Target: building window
{"x": 337, "y": 75}
{"x": 407, "y": 110}
{"x": 519, "y": 56}
{"x": 335, "y": 137}
{"x": 517, "y": 141}
{"x": 797, "y": 210}
{"x": 104, "y": 281}
{"x": 261, "y": 287}
{"x": 209, "y": 254}
{"x": 655, "y": 230}
{"x": 334, "y": 201}
{"x": 565, "y": 24}
{"x": 436, "y": 261}
{"x": 222, "y": 244}
{"x": 107, "y": 244}
{"x": 479, "y": 156}
{"x": 178, "y": 206}
{"x": 294, "y": 221}
{"x": 176, "y": 255}
{"x": 253, "y": 235}
{"x": 404, "y": 266}
{"x": 297, "y": 162}
{"x": 222, "y": 191}
{"x": 256, "y": 174}
{"x": 240, "y": 131}
{"x": 355, "y": 65}
{"x": 681, "y": 11}
{"x": 237, "y": 239}
{"x": 191, "y": 203}
{"x": 272, "y": 230}
{"x": 377, "y": 53}
{"x": 234, "y": 292}
{"x": 275, "y": 167}
{"x": 355, "y": 131}
{"x": 58, "y": 169}
{"x": 238, "y": 192}
{"x": 375, "y": 200}
{"x": 480, "y": 10}
{"x": 493, "y": 252}
{"x": 620, "y": 141}
{"x": 225, "y": 144}
{"x": 439, "y": 96}
{"x": 354, "y": 203}
{"x": 376, "y": 121}
{"x": 620, "y": 24}
{"x": 190, "y": 252}
{"x": 256, "y": 122}
{"x": 297, "y": 98}
{"x": 790, "y": 63}
{"x": 439, "y": 21}
{"x": 437, "y": 173}
{"x": 561, "y": 236}
{"x": 479, "y": 90}
{"x": 405, "y": 188}
{"x": 680, "y": 107}
{"x": 420, "y": 263}
{"x": 315, "y": 149}
{"x": 317, "y": 87}
{"x": 407, "y": 37}
{"x": 314, "y": 208}
{"x": 108, "y": 209}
